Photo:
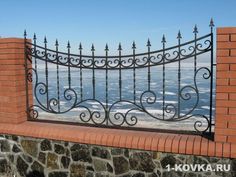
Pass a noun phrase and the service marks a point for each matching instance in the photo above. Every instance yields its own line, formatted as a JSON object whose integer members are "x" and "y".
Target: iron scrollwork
{"x": 107, "y": 114}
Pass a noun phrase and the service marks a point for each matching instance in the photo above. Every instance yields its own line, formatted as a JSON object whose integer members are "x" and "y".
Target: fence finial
{"x": 56, "y": 44}
{"x": 45, "y": 40}
{"x": 119, "y": 47}
{"x": 25, "y": 34}
{"x": 106, "y": 48}
{"x": 195, "y": 29}
{"x": 34, "y": 36}
{"x": 179, "y": 36}
{"x": 211, "y": 23}
{"x": 133, "y": 45}
{"x": 92, "y": 48}
{"x": 80, "y": 46}
{"x": 148, "y": 43}
{"x": 68, "y": 45}
{"x": 163, "y": 39}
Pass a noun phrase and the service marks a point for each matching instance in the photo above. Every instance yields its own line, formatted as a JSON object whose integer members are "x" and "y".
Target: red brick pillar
{"x": 12, "y": 81}
{"x": 225, "y": 130}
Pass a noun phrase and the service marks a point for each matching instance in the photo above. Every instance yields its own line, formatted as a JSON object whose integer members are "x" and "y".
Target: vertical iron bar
{"x": 106, "y": 112}
{"x": 46, "y": 70}
{"x": 58, "y": 81}
{"x": 26, "y": 76}
{"x": 134, "y": 73}
{"x": 120, "y": 81}
{"x": 80, "y": 72}
{"x": 69, "y": 62}
{"x": 93, "y": 63}
{"x": 179, "y": 72}
{"x": 149, "y": 75}
{"x": 195, "y": 31}
{"x": 211, "y": 84}
{"x": 163, "y": 78}
{"x": 35, "y": 60}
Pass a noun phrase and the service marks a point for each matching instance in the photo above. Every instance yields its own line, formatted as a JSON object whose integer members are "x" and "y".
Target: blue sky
{"x": 114, "y": 21}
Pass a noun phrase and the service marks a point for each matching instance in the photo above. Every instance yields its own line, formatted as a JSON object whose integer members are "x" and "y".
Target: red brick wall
{"x": 225, "y": 130}
{"x": 13, "y": 109}
{"x": 12, "y": 81}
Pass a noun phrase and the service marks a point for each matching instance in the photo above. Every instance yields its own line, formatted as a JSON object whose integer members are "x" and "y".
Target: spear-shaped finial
{"x": 80, "y": 46}
{"x": 179, "y": 36}
{"x": 68, "y": 45}
{"x": 106, "y": 48}
{"x": 34, "y": 36}
{"x": 92, "y": 48}
{"x": 133, "y": 45}
{"x": 119, "y": 47}
{"x": 163, "y": 39}
{"x": 211, "y": 23}
{"x": 45, "y": 40}
{"x": 25, "y": 34}
{"x": 195, "y": 29}
{"x": 56, "y": 43}
{"x": 148, "y": 43}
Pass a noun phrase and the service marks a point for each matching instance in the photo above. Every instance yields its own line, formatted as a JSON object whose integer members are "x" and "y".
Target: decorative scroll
{"x": 107, "y": 115}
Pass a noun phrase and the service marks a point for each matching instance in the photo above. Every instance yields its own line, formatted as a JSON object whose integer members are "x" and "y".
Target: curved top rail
{"x": 122, "y": 56}
{"x": 165, "y": 55}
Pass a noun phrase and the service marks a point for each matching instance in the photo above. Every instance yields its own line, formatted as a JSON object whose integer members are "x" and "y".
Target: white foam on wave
{"x": 170, "y": 93}
{"x": 167, "y": 93}
{"x": 207, "y": 107}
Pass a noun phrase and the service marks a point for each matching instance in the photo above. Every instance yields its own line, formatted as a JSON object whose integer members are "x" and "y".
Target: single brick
{"x": 232, "y": 124}
{"x": 226, "y": 89}
{"x": 232, "y": 96}
{"x": 226, "y": 45}
{"x": 222, "y": 96}
{"x": 219, "y": 149}
{"x": 223, "y": 38}
{"x": 222, "y": 53}
{"x": 222, "y": 67}
{"x": 222, "y": 111}
{"x": 226, "y": 150}
{"x": 222, "y": 81}
{"x": 223, "y": 124}
{"x": 232, "y": 139}
{"x": 232, "y": 81}
{"x": 225, "y": 103}
{"x": 228, "y": 60}
{"x": 220, "y": 138}
{"x": 233, "y": 52}
{"x": 232, "y": 67}
{"x": 232, "y": 111}
{"x": 233, "y": 37}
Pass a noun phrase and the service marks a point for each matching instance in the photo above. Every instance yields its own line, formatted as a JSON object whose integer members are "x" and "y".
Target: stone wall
{"x": 25, "y": 156}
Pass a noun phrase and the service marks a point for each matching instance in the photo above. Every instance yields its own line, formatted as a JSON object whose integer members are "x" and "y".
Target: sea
{"x": 193, "y": 101}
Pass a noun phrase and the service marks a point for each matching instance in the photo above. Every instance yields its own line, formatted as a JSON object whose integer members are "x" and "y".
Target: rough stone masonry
{"x": 25, "y": 156}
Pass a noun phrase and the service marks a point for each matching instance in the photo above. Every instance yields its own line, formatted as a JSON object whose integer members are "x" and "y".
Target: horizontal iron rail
{"x": 123, "y": 56}
{"x": 123, "y": 67}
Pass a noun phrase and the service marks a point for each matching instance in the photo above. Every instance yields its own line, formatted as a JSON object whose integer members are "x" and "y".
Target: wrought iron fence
{"x": 95, "y": 88}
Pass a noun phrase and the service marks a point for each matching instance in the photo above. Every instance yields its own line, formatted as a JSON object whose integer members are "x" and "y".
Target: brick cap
{"x": 151, "y": 141}
{"x": 226, "y": 30}
{"x": 13, "y": 40}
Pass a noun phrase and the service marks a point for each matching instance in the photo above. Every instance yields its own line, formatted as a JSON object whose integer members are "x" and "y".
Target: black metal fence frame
{"x": 120, "y": 62}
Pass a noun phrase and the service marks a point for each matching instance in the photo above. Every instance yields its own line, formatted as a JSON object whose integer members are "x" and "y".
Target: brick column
{"x": 225, "y": 130}
{"x": 12, "y": 81}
